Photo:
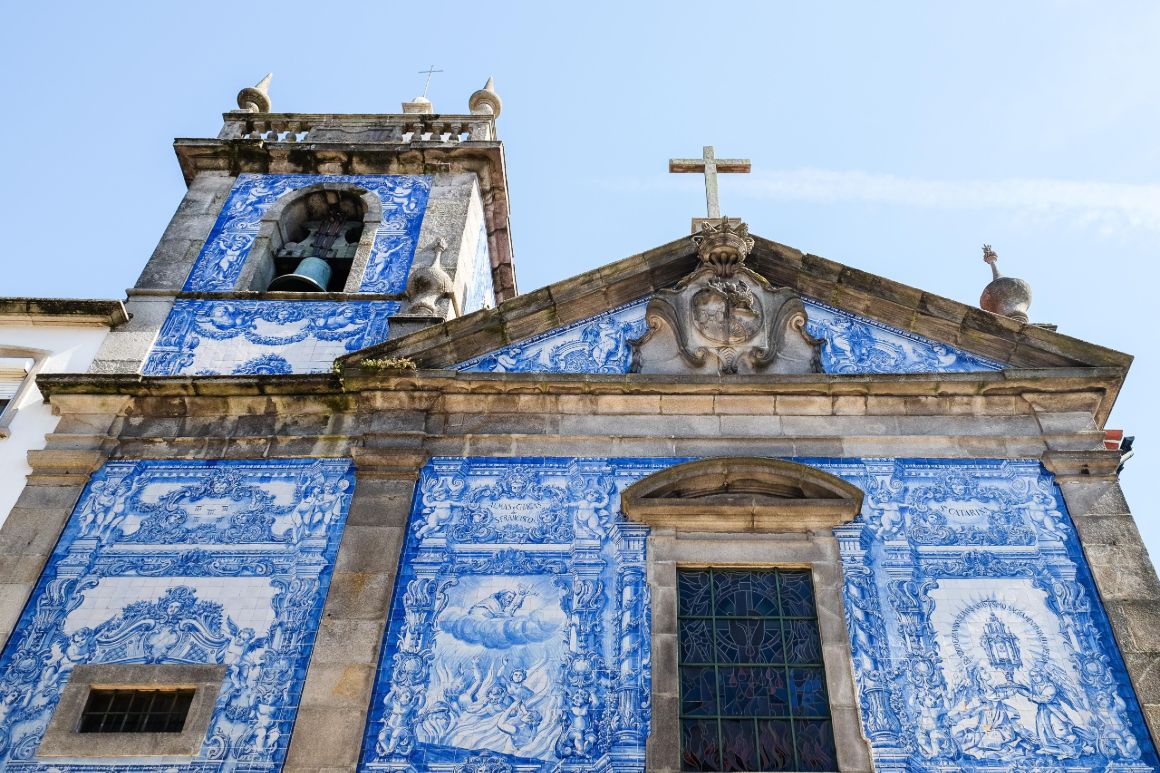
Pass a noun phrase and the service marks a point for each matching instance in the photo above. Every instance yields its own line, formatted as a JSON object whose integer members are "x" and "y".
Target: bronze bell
{"x": 311, "y": 276}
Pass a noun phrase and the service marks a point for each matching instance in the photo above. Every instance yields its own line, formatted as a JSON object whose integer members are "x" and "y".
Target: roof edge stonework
{"x": 63, "y": 311}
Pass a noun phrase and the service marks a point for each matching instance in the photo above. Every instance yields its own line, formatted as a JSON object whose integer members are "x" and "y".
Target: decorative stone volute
{"x": 1005, "y": 295}
{"x": 256, "y": 98}
{"x": 486, "y": 101}
{"x": 724, "y": 319}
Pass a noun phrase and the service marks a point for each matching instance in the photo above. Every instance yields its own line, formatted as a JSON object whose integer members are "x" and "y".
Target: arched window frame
{"x": 39, "y": 357}
{"x": 746, "y": 513}
{"x": 259, "y": 268}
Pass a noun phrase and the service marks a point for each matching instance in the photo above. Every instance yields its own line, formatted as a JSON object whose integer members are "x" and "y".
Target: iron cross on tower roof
{"x": 428, "y": 72}
{"x": 710, "y": 165}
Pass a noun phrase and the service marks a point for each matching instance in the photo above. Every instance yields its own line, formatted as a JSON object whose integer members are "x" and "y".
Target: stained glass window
{"x": 753, "y": 688}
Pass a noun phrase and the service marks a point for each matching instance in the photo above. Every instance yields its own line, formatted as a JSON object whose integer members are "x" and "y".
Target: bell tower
{"x": 304, "y": 237}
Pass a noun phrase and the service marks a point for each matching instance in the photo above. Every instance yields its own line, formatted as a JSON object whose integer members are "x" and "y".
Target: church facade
{"x": 337, "y": 497}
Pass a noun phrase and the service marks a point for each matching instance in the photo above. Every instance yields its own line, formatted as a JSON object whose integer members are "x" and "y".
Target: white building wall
{"x": 72, "y": 349}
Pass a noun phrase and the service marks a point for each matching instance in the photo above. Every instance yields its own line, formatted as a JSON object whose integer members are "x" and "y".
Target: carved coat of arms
{"x": 725, "y": 319}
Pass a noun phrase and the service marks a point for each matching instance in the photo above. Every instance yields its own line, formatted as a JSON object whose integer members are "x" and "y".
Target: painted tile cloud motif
{"x": 519, "y": 635}
{"x": 853, "y": 344}
{"x": 192, "y": 562}
{"x": 212, "y": 337}
{"x": 518, "y": 639}
{"x": 404, "y": 200}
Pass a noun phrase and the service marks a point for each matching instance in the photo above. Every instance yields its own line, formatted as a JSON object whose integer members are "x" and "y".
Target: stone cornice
{"x": 62, "y": 311}
{"x": 1098, "y": 385}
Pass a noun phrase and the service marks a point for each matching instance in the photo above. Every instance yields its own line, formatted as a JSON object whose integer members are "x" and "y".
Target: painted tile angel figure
{"x": 605, "y": 339}
{"x": 105, "y": 510}
{"x": 985, "y": 725}
{"x": 1056, "y": 727}
{"x": 440, "y": 495}
{"x": 492, "y": 677}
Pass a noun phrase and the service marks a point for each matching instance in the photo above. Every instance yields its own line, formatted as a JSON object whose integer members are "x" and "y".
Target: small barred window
{"x": 136, "y": 711}
{"x": 752, "y": 683}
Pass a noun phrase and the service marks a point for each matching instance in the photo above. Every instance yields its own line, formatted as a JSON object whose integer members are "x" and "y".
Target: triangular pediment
{"x": 870, "y": 325}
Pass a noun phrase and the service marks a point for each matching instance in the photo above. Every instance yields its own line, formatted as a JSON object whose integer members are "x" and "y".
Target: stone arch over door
{"x": 746, "y": 513}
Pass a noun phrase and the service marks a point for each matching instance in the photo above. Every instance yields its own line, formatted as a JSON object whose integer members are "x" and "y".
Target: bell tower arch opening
{"x": 315, "y": 240}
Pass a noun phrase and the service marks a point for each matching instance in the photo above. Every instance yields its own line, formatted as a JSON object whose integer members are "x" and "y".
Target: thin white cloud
{"x": 1098, "y": 204}
{"x": 1135, "y": 205}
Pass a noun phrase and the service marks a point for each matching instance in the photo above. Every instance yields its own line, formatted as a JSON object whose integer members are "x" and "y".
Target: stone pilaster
{"x": 331, "y": 722}
{"x": 1123, "y": 573}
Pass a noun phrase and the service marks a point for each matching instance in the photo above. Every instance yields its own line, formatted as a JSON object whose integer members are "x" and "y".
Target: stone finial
{"x": 486, "y": 101}
{"x": 420, "y": 105}
{"x": 256, "y": 99}
{"x": 723, "y": 245}
{"x": 1006, "y": 296}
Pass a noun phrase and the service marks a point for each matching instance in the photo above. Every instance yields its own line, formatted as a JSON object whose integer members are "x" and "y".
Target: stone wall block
{"x": 628, "y": 404}
{"x": 663, "y": 750}
{"x": 337, "y": 742}
{"x": 646, "y": 425}
{"x": 13, "y": 597}
{"x": 347, "y": 641}
{"x": 1107, "y": 530}
{"x": 1094, "y": 497}
{"x": 359, "y": 595}
{"x": 1062, "y": 422}
{"x": 853, "y": 751}
{"x": 1123, "y": 572}
{"x": 804, "y": 405}
{"x": 1141, "y": 622}
{"x": 29, "y": 531}
{"x": 753, "y": 405}
{"x": 62, "y": 498}
{"x": 1145, "y": 670}
{"x": 169, "y": 265}
{"x": 689, "y": 404}
{"x": 339, "y": 685}
{"x": 749, "y": 426}
{"x": 369, "y": 549}
{"x": 850, "y": 405}
{"x": 499, "y": 423}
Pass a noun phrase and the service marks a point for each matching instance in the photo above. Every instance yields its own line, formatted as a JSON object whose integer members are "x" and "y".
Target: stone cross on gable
{"x": 710, "y": 165}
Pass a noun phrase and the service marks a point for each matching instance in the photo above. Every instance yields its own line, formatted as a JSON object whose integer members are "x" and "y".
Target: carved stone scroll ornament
{"x": 724, "y": 319}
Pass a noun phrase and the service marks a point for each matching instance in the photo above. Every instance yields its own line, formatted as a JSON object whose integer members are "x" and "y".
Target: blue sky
{"x": 893, "y": 137}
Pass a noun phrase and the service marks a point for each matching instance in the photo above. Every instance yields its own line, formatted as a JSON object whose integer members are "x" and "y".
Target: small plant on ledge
{"x": 389, "y": 363}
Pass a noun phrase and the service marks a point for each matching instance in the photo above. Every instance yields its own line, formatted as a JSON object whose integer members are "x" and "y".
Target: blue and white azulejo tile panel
{"x": 519, "y": 634}
{"x": 220, "y": 337}
{"x": 171, "y": 562}
{"x": 979, "y": 640}
{"x": 404, "y": 200}
{"x": 854, "y": 344}
{"x": 598, "y": 344}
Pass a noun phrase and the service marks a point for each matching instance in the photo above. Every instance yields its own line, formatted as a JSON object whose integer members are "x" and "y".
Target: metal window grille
{"x": 752, "y": 683}
{"x": 136, "y": 711}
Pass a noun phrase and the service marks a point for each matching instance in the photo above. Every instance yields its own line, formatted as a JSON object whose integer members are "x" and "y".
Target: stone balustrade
{"x": 383, "y": 128}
